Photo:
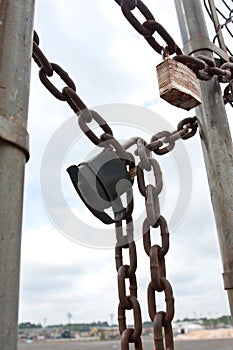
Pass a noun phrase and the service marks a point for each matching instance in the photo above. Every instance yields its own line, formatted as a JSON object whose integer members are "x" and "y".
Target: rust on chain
{"x": 132, "y": 258}
{"x": 129, "y": 210}
{"x": 144, "y": 154}
{"x": 186, "y": 129}
{"x": 161, "y": 143}
{"x": 171, "y": 47}
{"x": 203, "y": 66}
{"x": 127, "y": 8}
{"x": 159, "y": 283}
{"x": 149, "y": 27}
{"x": 121, "y": 239}
{"x": 157, "y": 268}
{"x": 158, "y": 333}
{"x": 47, "y": 69}
{"x": 42, "y": 60}
{"x": 50, "y": 86}
{"x": 137, "y": 330}
{"x": 125, "y": 340}
{"x": 169, "y": 299}
{"x": 158, "y": 330}
{"x": 108, "y": 139}
{"x": 122, "y": 276}
{"x": 164, "y": 149}
{"x": 162, "y": 224}
{"x": 190, "y": 124}
{"x": 157, "y": 176}
{"x": 85, "y": 117}
{"x": 127, "y": 301}
{"x": 228, "y": 94}
{"x": 73, "y": 99}
{"x": 152, "y": 205}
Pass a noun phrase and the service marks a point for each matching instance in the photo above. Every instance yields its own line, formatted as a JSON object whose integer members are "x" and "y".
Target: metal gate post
{"x": 215, "y": 136}
{"x": 16, "y": 21}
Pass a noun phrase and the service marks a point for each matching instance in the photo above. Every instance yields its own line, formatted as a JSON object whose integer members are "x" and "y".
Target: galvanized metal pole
{"x": 215, "y": 137}
{"x": 16, "y": 20}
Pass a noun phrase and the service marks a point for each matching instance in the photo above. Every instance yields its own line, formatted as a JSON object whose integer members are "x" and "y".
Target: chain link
{"x": 162, "y": 320}
{"x": 228, "y": 94}
{"x": 204, "y": 67}
{"x": 163, "y": 335}
{"x": 157, "y": 253}
{"x": 47, "y": 70}
{"x": 186, "y": 129}
{"x": 127, "y": 302}
{"x": 149, "y": 27}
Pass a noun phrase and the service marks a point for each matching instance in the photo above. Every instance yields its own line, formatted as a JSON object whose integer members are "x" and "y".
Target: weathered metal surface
{"x": 178, "y": 84}
{"x": 215, "y": 136}
{"x": 149, "y": 27}
{"x": 195, "y": 45}
{"x": 228, "y": 279}
{"x": 16, "y": 19}
{"x": 14, "y": 133}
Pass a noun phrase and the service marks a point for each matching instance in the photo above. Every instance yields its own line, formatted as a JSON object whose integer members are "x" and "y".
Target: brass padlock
{"x": 178, "y": 84}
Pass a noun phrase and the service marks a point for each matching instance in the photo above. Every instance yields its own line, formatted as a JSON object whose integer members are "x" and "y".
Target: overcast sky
{"x": 110, "y": 63}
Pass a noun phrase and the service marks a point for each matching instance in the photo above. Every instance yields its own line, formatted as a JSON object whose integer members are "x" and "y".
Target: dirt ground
{"x": 217, "y": 339}
{"x": 222, "y": 333}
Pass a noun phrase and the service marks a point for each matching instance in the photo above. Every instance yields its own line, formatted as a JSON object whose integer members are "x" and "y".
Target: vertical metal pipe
{"x": 215, "y": 137}
{"x": 16, "y": 21}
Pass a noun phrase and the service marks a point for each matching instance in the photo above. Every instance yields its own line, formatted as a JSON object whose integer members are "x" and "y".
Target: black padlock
{"x": 100, "y": 183}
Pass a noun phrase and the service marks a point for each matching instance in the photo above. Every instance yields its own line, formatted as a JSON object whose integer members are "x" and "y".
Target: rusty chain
{"x": 159, "y": 284}
{"x": 127, "y": 272}
{"x": 161, "y": 320}
{"x": 163, "y": 141}
{"x": 160, "y": 143}
{"x": 204, "y": 67}
{"x": 228, "y": 94}
{"x": 186, "y": 128}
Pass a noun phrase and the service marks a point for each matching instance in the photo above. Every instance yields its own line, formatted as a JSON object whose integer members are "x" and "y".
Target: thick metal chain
{"x": 128, "y": 272}
{"x": 204, "y": 67}
{"x": 161, "y": 319}
{"x": 159, "y": 284}
{"x": 161, "y": 143}
{"x": 164, "y": 141}
{"x": 149, "y": 27}
{"x": 47, "y": 70}
{"x": 228, "y": 94}
{"x": 186, "y": 128}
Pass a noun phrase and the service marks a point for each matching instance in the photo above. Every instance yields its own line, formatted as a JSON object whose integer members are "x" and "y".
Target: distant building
{"x": 185, "y": 327}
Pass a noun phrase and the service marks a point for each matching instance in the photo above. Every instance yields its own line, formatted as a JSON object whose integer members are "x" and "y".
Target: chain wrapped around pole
{"x": 160, "y": 143}
{"x": 204, "y": 67}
